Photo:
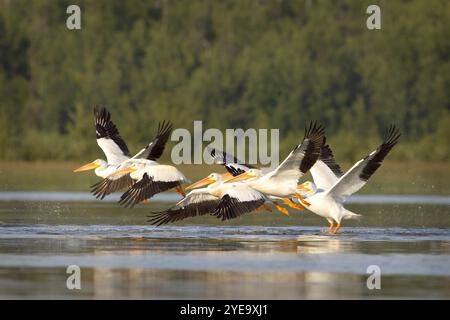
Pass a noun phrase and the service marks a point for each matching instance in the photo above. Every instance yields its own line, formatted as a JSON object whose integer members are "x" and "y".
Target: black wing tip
{"x": 326, "y": 155}
{"x": 101, "y": 113}
{"x": 212, "y": 151}
{"x": 233, "y": 171}
{"x": 158, "y": 144}
{"x": 158, "y": 218}
{"x": 375, "y": 160}
{"x": 314, "y": 131}
{"x": 144, "y": 189}
{"x": 231, "y": 208}
{"x": 325, "y": 151}
{"x": 393, "y": 136}
{"x": 164, "y": 127}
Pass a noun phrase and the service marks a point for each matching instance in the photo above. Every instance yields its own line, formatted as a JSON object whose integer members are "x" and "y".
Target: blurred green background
{"x": 232, "y": 64}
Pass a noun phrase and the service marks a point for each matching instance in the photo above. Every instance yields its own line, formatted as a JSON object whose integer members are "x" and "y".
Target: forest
{"x": 232, "y": 64}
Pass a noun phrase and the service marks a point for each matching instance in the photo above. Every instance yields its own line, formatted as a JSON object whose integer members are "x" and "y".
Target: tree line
{"x": 232, "y": 64}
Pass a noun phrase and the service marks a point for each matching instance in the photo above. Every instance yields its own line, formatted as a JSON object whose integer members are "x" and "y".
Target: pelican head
{"x": 307, "y": 189}
{"x": 98, "y": 163}
{"x": 249, "y": 174}
{"x": 212, "y": 178}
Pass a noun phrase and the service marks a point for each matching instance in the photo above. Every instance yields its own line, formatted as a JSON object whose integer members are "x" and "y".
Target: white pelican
{"x": 150, "y": 178}
{"x": 223, "y": 200}
{"x": 326, "y": 195}
{"x": 283, "y": 181}
{"x": 152, "y": 152}
{"x": 235, "y": 167}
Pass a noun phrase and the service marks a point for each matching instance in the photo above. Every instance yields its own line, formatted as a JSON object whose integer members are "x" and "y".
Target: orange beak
{"x": 121, "y": 172}
{"x": 201, "y": 183}
{"x": 226, "y": 176}
{"x": 89, "y": 166}
{"x": 242, "y": 176}
{"x": 303, "y": 188}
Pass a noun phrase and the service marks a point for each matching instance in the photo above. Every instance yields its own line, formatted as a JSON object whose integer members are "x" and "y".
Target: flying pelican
{"x": 117, "y": 153}
{"x": 235, "y": 167}
{"x": 153, "y": 151}
{"x": 325, "y": 196}
{"x": 150, "y": 178}
{"x": 283, "y": 181}
{"x": 223, "y": 200}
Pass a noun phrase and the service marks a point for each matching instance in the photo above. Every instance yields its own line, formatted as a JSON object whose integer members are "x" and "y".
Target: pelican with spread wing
{"x": 282, "y": 183}
{"x": 120, "y": 178}
{"x": 222, "y": 200}
{"x": 236, "y": 167}
{"x": 326, "y": 195}
{"x": 118, "y": 155}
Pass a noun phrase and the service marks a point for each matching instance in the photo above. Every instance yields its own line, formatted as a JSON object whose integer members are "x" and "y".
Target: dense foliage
{"x": 243, "y": 63}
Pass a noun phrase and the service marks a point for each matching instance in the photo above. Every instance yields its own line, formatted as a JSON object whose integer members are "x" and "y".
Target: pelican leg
{"x": 330, "y": 230}
{"x": 337, "y": 228}
{"x": 180, "y": 191}
{"x": 303, "y": 201}
{"x": 145, "y": 201}
{"x": 292, "y": 204}
{"x": 257, "y": 210}
{"x": 281, "y": 209}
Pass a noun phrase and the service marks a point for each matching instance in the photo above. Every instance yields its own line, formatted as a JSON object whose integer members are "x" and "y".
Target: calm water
{"x": 262, "y": 256}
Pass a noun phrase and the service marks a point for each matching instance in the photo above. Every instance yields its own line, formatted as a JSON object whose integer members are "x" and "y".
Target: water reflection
{"x": 138, "y": 283}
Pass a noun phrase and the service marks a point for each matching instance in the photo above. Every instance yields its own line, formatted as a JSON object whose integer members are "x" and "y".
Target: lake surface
{"x": 259, "y": 256}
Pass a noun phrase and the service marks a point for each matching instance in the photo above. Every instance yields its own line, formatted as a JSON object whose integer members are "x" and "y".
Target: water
{"x": 70, "y": 196}
{"x": 260, "y": 256}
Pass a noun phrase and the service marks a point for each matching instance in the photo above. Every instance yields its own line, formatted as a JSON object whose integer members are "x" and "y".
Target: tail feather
{"x": 351, "y": 215}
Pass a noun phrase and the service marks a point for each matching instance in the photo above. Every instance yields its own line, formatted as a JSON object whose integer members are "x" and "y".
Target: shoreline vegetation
{"x": 231, "y": 64}
{"x": 394, "y": 177}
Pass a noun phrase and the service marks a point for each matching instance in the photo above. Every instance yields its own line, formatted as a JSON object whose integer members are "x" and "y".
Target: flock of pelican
{"x": 242, "y": 188}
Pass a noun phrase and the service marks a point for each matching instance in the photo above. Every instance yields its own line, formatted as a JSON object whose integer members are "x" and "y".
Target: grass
{"x": 393, "y": 177}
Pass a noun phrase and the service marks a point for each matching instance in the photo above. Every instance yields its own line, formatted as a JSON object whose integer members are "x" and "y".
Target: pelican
{"x": 117, "y": 153}
{"x": 223, "y": 200}
{"x": 283, "y": 181}
{"x": 149, "y": 178}
{"x": 325, "y": 196}
{"x": 235, "y": 167}
{"x": 153, "y": 151}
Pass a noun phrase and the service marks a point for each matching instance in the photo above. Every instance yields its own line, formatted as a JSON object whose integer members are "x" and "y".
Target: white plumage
{"x": 327, "y": 201}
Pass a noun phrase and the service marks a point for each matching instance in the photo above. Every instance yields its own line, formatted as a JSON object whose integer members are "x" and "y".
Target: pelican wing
{"x": 237, "y": 202}
{"x": 108, "y": 185}
{"x": 108, "y": 137}
{"x": 355, "y": 178}
{"x": 232, "y": 164}
{"x": 326, "y": 171}
{"x": 196, "y": 203}
{"x": 303, "y": 157}
{"x": 143, "y": 189}
{"x": 155, "y": 149}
